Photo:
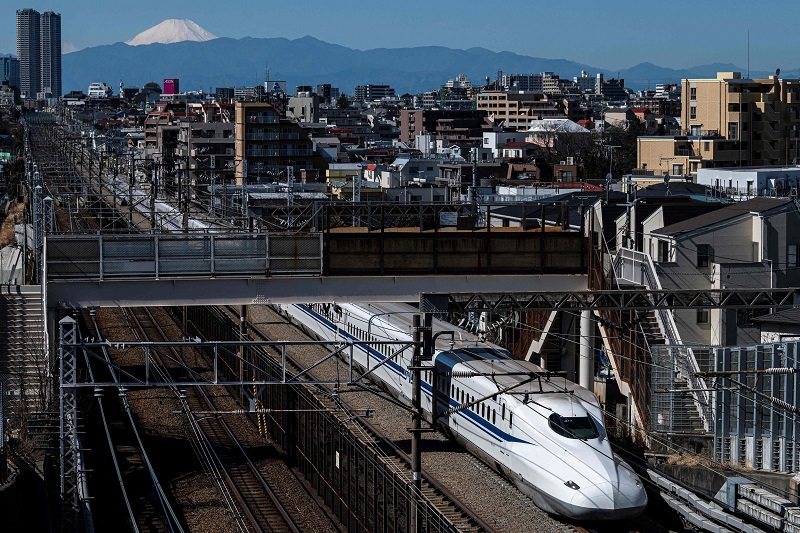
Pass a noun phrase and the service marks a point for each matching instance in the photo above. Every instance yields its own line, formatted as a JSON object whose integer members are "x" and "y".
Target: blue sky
{"x": 611, "y": 34}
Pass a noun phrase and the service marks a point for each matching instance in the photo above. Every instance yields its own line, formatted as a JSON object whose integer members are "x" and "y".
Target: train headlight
{"x": 571, "y": 484}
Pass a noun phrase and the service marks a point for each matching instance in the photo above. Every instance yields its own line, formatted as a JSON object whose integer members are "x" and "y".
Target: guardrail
{"x": 102, "y": 257}
{"x": 637, "y": 267}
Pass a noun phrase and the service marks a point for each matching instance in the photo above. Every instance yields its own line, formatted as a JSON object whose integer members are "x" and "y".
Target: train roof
{"x": 521, "y": 378}
{"x": 400, "y": 316}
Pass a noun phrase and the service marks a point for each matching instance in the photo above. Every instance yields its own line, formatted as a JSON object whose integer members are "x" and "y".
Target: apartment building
{"x": 267, "y": 144}
{"x": 449, "y": 125}
{"x": 517, "y": 110}
{"x": 370, "y": 93}
{"x": 39, "y": 53}
{"x": 206, "y": 150}
{"x": 730, "y": 121}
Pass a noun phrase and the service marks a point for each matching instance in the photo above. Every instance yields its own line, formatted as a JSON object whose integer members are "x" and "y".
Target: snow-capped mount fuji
{"x": 172, "y": 31}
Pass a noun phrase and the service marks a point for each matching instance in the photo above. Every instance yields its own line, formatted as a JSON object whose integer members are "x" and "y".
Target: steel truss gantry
{"x": 615, "y": 300}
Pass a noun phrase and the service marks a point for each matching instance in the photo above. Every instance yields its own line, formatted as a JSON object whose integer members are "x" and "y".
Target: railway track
{"x": 258, "y": 507}
{"x": 447, "y": 503}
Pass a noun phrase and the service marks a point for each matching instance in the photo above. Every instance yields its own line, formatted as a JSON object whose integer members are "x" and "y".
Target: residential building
{"x": 449, "y": 125}
{"x": 744, "y": 245}
{"x": 493, "y": 140}
{"x": 98, "y": 90}
{"x": 557, "y": 133}
{"x": 619, "y": 117}
{"x": 612, "y": 90}
{"x": 351, "y": 126}
{"x": 39, "y": 53}
{"x": 224, "y": 94}
{"x": 267, "y": 144}
{"x": 303, "y": 108}
{"x": 731, "y": 121}
{"x": 28, "y": 51}
{"x": 516, "y": 110}
{"x": 206, "y": 151}
{"x": 585, "y": 83}
{"x": 9, "y": 71}
{"x": 745, "y": 182}
{"x": 326, "y": 93}
{"x": 460, "y": 82}
{"x": 50, "y": 50}
{"x": 371, "y": 93}
{"x": 529, "y": 83}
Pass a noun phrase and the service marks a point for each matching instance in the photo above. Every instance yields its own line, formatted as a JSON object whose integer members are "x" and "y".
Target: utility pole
{"x": 423, "y": 351}
{"x": 416, "y": 407}
{"x": 213, "y": 176}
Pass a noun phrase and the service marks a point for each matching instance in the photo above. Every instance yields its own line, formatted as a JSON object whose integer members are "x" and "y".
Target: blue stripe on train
{"x": 448, "y": 358}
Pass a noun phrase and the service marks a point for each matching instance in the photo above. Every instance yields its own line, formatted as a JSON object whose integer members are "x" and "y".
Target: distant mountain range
{"x": 225, "y": 62}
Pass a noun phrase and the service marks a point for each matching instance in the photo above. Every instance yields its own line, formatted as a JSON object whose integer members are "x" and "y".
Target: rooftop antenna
{"x": 748, "y": 54}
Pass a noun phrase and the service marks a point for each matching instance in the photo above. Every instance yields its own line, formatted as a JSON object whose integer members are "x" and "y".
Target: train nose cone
{"x": 609, "y": 501}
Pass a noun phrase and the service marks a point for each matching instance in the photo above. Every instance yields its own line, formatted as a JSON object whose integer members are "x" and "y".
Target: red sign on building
{"x": 171, "y": 86}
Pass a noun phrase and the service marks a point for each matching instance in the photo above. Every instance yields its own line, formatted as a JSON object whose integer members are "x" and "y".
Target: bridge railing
{"x": 101, "y": 257}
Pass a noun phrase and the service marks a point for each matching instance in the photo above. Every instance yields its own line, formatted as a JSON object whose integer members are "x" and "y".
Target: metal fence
{"x": 101, "y": 257}
{"x": 754, "y": 425}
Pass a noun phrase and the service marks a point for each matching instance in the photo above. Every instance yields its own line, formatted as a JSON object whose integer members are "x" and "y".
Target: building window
{"x": 702, "y": 316}
{"x": 703, "y": 255}
{"x": 693, "y": 111}
{"x": 663, "y": 251}
{"x": 693, "y": 93}
{"x": 791, "y": 256}
{"x": 677, "y": 170}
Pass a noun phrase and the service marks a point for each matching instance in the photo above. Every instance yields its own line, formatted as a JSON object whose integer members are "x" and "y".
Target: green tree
{"x": 342, "y": 102}
{"x": 153, "y": 85}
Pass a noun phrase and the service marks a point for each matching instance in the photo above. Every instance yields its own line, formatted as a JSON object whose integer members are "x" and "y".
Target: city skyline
{"x": 619, "y": 35}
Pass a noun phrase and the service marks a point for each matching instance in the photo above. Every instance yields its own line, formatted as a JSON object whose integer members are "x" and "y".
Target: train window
{"x": 503, "y": 412}
{"x": 574, "y": 427}
{"x": 510, "y": 418}
{"x": 494, "y": 416}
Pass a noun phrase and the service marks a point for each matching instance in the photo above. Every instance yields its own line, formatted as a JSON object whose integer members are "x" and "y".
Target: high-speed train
{"x": 541, "y": 431}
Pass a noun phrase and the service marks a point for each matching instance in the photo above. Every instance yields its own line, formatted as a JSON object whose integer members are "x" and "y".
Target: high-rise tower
{"x": 39, "y": 53}
{"x": 50, "y": 53}
{"x": 28, "y": 51}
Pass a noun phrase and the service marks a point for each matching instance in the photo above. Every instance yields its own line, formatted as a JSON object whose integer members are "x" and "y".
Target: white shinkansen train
{"x": 543, "y": 432}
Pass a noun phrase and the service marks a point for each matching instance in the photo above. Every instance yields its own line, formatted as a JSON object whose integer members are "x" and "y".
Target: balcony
{"x": 263, "y": 119}
{"x": 295, "y": 152}
{"x": 263, "y": 152}
{"x": 263, "y": 136}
